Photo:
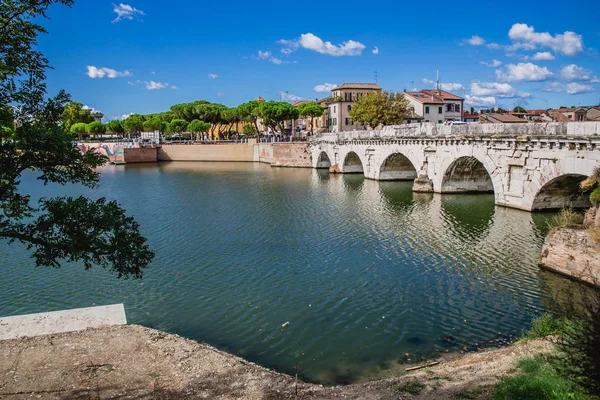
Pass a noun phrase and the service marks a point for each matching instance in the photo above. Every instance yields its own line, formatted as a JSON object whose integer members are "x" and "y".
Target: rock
{"x": 334, "y": 169}
{"x": 573, "y": 253}
{"x": 591, "y": 216}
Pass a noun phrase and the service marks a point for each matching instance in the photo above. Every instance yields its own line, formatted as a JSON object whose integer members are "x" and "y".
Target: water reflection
{"x": 364, "y": 271}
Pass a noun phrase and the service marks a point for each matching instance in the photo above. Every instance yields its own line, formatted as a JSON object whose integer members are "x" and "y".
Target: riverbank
{"x": 134, "y": 362}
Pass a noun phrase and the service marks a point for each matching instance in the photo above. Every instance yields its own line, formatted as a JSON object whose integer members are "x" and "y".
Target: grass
{"x": 468, "y": 394}
{"x": 537, "y": 379}
{"x": 414, "y": 387}
{"x": 546, "y": 325}
{"x": 567, "y": 218}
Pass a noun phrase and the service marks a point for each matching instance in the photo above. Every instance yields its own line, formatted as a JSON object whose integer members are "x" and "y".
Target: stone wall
{"x": 141, "y": 155}
{"x": 572, "y": 253}
{"x": 428, "y": 129}
{"x": 295, "y": 155}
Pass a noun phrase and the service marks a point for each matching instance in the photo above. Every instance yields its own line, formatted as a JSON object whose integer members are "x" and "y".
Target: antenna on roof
{"x": 437, "y": 81}
{"x": 413, "y": 85}
{"x": 376, "y": 77}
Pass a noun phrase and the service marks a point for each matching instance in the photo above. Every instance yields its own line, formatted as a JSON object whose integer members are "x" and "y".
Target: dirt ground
{"x": 133, "y": 362}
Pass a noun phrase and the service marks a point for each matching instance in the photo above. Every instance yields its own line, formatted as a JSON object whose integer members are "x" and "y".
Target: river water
{"x": 368, "y": 274}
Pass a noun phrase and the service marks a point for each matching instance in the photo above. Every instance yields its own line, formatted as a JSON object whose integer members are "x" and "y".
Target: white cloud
{"x": 219, "y": 94}
{"x": 480, "y": 102}
{"x": 486, "y": 89}
{"x": 493, "y": 46}
{"x": 567, "y": 43}
{"x": 494, "y": 63}
{"x": 324, "y": 88}
{"x": 155, "y": 85}
{"x": 428, "y": 81}
{"x": 569, "y": 88}
{"x": 125, "y": 11}
{"x": 267, "y": 55}
{"x": 573, "y": 72}
{"x": 543, "y": 56}
{"x": 312, "y": 42}
{"x": 451, "y": 86}
{"x": 287, "y": 51}
{"x": 476, "y": 40}
{"x": 375, "y": 50}
{"x": 94, "y": 72}
{"x": 213, "y": 76}
{"x": 286, "y": 96}
{"x": 523, "y": 72}
{"x": 122, "y": 117}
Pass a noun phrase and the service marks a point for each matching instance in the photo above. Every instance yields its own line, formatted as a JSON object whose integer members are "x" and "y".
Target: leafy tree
{"x": 177, "y": 126}
{"x": 311, "y": 110}
{"x": 250, "y": 130}
{"x": 384, "y": 108}
{"x": 472, "y": 110}
{"x": 75, "y": 113}
{"x": 134, "y": 124}
{"x": 92, "y": 232}
{"x": 155, "y": 124}
{"x": 80, "y": 129}
{"x": 115, "y": 126}
{"x": 95, "y": 128}
{"x": 197, "y": 126}
{"x": 519, "y": 109}
{"x": 250, "y": 112}
{"x": 275, "y": 113}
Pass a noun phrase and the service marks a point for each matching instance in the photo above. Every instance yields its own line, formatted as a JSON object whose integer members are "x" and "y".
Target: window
{"x": 457, "y": 108}
{"x": 427, "y": 110}
{"x": 335, "y": 121}
{"x": 450, "y": 107}
{"x": 334, "y": 109}
{"x": 408, "y": 121}
{"x": 348, "y": 96}
{"x": 347, "y": 121}
{"x": 440, "y": 110}
{"x": 439, "y": 121}
{"x": 349, "y": 107}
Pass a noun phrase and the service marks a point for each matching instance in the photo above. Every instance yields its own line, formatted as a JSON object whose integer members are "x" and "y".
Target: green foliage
{"x": 155, "y": 124}
{"x": 79, "y": 128}
{"x": 250, "y": 130}
{"x": 567, "y": 218}
{"x": 311, "y": 110}
{"x": 383, "y": 108}
{"x": 95, "y": 128}
{"x": 134, "y": 124}
{"x": 546, "y": 325}
{"x": 537, "y": 379}
{"x": 177, "y": 126}
{"x": 62, "y": 228}
{"x": 115, "y": 126}
{"x": 74, "y": 113}
{"x": 275, "y": 113}
{"x": 413, "y": 386}
{"x": 197, "y": 126}
{"x": 519, "y": 109}
{"x": 595, "y": 196}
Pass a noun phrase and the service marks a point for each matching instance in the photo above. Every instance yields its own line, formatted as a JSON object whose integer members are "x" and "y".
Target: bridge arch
{"x": 352, "y": 164}
{"x": 397, "y": 167}
{"x": 323, "y": 161}
{"x": 466, "y": 174}
{"x": 560, "y": 192}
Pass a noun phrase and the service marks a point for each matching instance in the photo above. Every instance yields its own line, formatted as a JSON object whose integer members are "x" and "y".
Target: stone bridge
{"x": 526, "y": 166}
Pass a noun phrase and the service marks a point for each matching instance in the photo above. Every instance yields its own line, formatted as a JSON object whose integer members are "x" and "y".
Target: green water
{"x": 364, "y": 271}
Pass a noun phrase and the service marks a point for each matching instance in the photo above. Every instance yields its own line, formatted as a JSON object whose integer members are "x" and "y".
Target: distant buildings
{"x": 340, "y": 105}
{"x": 97, "y": 115}
{"x": 436, "y": 106}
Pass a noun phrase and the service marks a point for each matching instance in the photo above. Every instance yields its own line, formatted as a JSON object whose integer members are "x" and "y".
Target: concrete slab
{"x": 61, "y": 321}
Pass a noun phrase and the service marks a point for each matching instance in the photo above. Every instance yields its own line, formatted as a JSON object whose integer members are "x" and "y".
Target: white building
{"x": 436, "y": 106}
{"x": 342, "y": 99}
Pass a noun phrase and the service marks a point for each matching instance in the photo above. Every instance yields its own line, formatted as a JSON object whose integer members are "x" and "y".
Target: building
{"x": 497, "y": 118}
{"x": 593, "y": 113}
{"x": 340, "y": 105}
{"x": 568, "y": 114}
{"x": 97, "y": 115}
{"x": 467, "y": 117}
{"x": 435, "y": 106}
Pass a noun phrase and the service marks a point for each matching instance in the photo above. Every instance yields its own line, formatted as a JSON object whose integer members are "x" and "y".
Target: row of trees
{"x": 196, "y": 117}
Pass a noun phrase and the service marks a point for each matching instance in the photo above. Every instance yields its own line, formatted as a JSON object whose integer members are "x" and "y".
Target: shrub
{"x": 595, "y": 196}
{"x": 546, "y": 325}
{"x": 567, "y": 218}
{"x": 537, "y": 379}
{"x": 414, "y": 387}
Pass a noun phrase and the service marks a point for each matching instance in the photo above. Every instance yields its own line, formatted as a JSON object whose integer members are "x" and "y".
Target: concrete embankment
{"x": 133, "y": 362}
{"x": 276, "y": 154}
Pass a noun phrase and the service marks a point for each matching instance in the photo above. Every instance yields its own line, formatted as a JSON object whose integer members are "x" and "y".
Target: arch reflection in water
{"x": 469, "y": 216}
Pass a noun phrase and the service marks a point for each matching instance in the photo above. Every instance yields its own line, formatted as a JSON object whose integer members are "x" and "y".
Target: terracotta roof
{"x": 502, "y": 118}
{"x": 470, "y": 116}
{"x": 358, "y": 86}
{"x": 260, "y": 99}
{"x": 425, "y": 98}
{"x": 297, "y": 103}
{"x": 536, "y": 112}
{"x": 324, "y": 99}
{"x": 413, "y": 116}
{"x": 443, "y": 94}
{"x": 558, "y": 115}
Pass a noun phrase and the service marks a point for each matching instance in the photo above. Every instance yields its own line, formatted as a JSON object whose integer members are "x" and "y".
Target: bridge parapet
{"x": 573, "y": 129}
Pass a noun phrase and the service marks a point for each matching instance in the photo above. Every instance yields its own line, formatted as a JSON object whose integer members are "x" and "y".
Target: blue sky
{"x": 143, "y": 56}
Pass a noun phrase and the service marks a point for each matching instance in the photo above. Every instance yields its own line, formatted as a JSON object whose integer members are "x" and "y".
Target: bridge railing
{"x": 585, "y": 129}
